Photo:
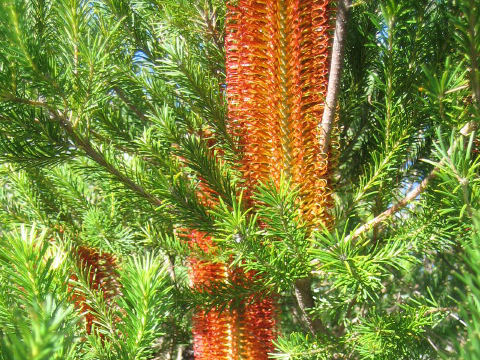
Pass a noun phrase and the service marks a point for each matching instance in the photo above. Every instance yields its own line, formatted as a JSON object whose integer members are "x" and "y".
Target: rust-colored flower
{"x": 213, "y": 330}
{"x": 244, "y": 331}
{"x": 277, "y": 76}
{"x": 255, "y": 321}
{"x": 101, "y": 269}
{"x": 277, "y": 73}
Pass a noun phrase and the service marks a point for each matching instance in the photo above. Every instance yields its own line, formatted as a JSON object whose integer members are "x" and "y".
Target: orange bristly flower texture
{"x": 255, "y": 322}
{"x": 277, "y": 76}
{"x": 101, "y": 269}
{"x": 212, "y": 330}
{"x": 245, "y": 331}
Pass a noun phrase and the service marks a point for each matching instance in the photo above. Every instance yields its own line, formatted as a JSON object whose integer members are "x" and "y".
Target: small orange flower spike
{"x": 259, "y": 331}
{"x": 101, "y": 269}
{"x": 255, "y": 326}
{"x": 243, "y": 332}
{"x": 212, "y": 330}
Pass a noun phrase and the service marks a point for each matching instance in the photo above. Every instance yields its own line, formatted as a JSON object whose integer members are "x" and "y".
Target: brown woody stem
{"x": 335, "y": 74}
{"x": 303, "y": 293}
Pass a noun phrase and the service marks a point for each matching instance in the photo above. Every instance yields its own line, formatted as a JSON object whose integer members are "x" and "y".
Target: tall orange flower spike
{"x": 277, "y": 76}
{"x": 277, "y": 73}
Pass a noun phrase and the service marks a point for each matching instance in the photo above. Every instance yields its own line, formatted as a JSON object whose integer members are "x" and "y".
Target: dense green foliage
{"x": 113, "y": 111}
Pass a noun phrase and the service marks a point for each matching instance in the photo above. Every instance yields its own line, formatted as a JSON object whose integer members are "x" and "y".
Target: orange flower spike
{"x": 277, "y": 76}
{"x": 212, "y": 330}
{"x": 253, "y": 321}
{"x": 101, "y": 269}
{"x": 276, "y": 81}
{"x": 259, "y": 332}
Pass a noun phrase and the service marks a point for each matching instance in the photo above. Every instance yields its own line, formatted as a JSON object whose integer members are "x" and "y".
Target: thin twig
{"x": 209, "y": 17}
{"x": 98, "y": 157}
{"x": 88, "y": 148}
{"x": 303, "y": 293}
{"x": 131, "y": 106}
{"x": 465, "y": 131}
{"x": 394, "y": 208}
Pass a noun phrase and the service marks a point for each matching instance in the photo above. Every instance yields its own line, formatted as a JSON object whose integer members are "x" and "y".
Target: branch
{"x": 98, "y": 157}
{"x": 87, "y": 147}
{"x": 209, "y": 17}
{"x": 394, "y": 208}
{"x": 131, "y": 106}
{"x": 336, "y": 66}
{"x": 465, "y": 131}
{"x": 303, "y": 293}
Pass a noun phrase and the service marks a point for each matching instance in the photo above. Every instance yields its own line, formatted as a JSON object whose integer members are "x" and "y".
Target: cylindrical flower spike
{"x": 214, "y": 333}
{"x": 258, "y": 333}
{"x": 277, "y": 68}
{"x": 255, "y": 326}
{"x": 101, "y": 271}
{"x": 277, "y": 76}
